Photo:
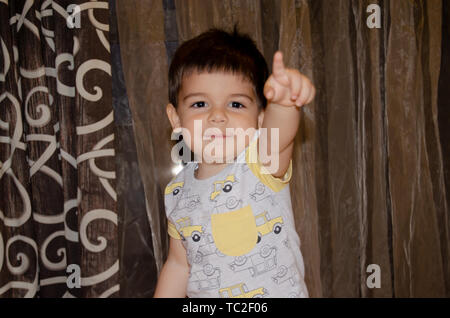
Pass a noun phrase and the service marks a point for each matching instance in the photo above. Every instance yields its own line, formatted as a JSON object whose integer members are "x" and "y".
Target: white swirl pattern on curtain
{"x": 32, "y": 124}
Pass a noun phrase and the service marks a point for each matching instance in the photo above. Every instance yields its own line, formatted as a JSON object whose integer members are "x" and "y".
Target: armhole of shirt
{"x": 172, "y": 230}
{"x": 261, "y": 172}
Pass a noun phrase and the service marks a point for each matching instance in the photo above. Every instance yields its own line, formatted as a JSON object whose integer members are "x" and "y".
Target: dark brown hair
{"x": 218, "y": 50}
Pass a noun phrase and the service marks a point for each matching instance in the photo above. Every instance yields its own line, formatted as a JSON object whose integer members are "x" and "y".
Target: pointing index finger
{"x": 278, "y": 69}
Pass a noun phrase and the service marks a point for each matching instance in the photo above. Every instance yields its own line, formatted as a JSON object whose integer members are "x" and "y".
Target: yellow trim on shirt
{"x": 261, "y": 172}
{"x": 172, "y": 230}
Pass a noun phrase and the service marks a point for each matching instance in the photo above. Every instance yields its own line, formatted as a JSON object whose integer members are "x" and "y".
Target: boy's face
{"x": 211, "y": 103}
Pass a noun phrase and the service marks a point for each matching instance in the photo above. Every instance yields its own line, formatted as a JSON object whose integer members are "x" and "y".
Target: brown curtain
{"x": 371, "y": 176}
{"x": 58, "y": 210}
{"x": 85, "y": 143}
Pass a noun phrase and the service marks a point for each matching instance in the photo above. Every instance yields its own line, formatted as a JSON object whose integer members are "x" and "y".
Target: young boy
{"x": 230, "y": 222}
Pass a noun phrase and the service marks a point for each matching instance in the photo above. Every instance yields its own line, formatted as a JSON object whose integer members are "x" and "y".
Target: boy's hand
{"x": 287, "y": 87}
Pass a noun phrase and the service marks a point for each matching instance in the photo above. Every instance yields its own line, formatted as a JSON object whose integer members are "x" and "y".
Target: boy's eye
{"x": 236, "y": 105}
{"x": 199, "y": 104}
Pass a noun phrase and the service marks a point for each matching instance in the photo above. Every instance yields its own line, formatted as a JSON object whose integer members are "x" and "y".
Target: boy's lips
{"x": 216, "y": 136}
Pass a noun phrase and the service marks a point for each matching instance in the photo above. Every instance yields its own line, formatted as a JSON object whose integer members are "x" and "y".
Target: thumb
{"x": 269, "y": 92}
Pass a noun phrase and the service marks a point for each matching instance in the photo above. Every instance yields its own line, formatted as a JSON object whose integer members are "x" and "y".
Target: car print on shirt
{"x": 186, "y": 229}
{"x": 173, "y": 192}
{"x": 224, "y": 200}
{"x": 222, "y": 186}
{"x": 241, "y": 291}
{"x": 207, "y": 249}
{"x": 229, "y": 204}
{"x": 206, "y": 279}
{"x": 265, "y": 225}
{"x": 189, "y": 203}
{"x": 260, "y": 194}
{"x": 259, "y": 263}
{"x": 174, "y": 188}
{"x": 285, "y": 274}
{"x": 180, "y": 197}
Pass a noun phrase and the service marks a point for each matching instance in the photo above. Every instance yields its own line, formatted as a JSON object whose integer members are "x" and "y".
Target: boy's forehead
{"x": 216, "y": 79}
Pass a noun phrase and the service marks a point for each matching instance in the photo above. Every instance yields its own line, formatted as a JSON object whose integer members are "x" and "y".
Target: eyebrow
{"x": 242, "y": 95}
{"x": 205, "y": 95}
{"x": 193, "y": 95}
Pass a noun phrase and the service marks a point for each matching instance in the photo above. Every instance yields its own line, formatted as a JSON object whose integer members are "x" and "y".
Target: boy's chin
{"x": 219, "y": 159}
{"x": 218, "y": 155}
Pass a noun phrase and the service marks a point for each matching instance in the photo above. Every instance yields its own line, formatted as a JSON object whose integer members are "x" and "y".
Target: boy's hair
{"x": 217, "y": 50}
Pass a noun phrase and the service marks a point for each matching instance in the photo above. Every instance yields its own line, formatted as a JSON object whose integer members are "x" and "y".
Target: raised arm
{"x": 286, "y": 90}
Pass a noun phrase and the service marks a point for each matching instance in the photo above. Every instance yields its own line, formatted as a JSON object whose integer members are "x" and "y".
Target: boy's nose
{"x": 217, "y": 116}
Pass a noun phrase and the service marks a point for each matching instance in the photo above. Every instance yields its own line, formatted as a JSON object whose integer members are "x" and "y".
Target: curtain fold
{"x": 443, "y": 114}
{"x": 415, "y": 165}
{"x": 138, "y": 268}
{"x": 146, "y": 84}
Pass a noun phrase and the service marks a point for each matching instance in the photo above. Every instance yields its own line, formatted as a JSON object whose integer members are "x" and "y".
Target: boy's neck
{"x": 206, "y": 170}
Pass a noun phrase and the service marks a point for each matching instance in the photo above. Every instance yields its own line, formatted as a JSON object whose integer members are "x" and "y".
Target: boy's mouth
{"x": 216, "y": 136}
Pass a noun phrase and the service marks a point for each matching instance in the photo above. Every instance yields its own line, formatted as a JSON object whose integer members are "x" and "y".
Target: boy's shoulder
{"x": 177, "y": 181}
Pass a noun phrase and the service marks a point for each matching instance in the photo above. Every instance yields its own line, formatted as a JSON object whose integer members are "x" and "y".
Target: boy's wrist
{"x": 282, "y": 106}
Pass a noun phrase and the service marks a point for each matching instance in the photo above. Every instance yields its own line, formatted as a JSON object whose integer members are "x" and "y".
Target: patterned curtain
{"x": 58, "y": 203}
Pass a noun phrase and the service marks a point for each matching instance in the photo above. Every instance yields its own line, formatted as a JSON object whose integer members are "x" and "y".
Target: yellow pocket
{"x": 234, "y": 232}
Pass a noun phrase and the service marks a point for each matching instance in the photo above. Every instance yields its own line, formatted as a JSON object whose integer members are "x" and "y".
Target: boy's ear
{"x": 260, "y": 118}
{"x": 173, "y": 116}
